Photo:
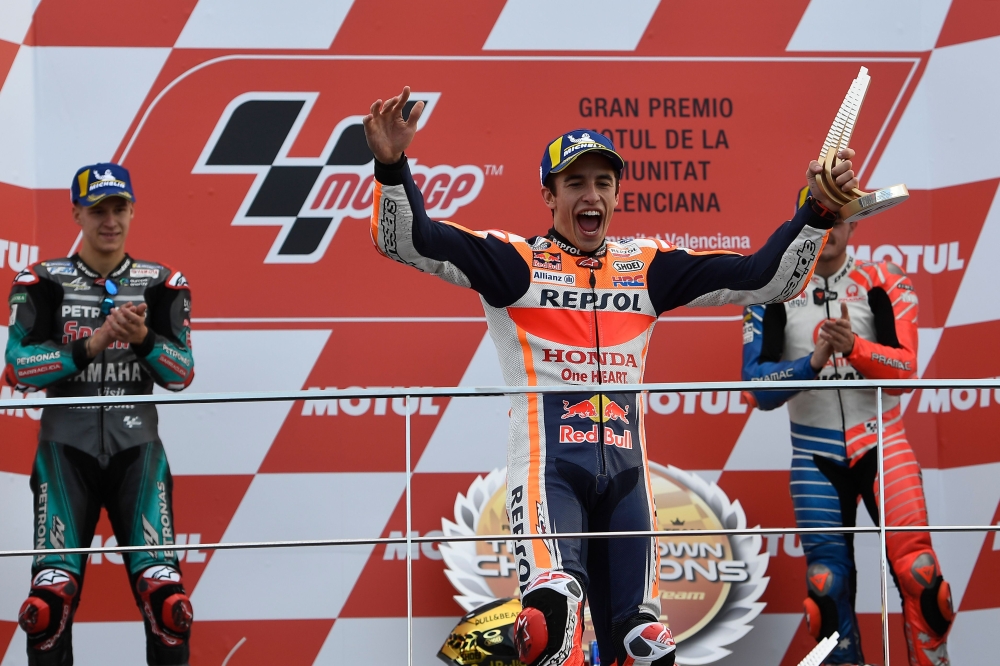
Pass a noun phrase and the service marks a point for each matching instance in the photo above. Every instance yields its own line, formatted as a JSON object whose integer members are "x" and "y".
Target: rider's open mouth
{"x": 589, "y": 221}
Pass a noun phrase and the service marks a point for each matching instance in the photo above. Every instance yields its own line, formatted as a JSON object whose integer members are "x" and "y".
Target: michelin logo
{"x": 105, "y": 180}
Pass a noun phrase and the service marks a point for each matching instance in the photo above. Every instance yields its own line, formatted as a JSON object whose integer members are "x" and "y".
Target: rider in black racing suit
{"x": 89, "y": 457}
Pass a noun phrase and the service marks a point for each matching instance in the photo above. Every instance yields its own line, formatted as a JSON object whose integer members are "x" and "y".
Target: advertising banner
{"x": 241, "y": 128}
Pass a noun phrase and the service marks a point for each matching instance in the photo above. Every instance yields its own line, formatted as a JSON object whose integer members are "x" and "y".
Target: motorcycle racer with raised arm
{"x": 94, "y": 324}
{"x": 854, "y": 320}
{"x": 567, "y": 308}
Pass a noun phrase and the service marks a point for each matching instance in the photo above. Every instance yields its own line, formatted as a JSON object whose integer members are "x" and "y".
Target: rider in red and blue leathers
{"x": 834, "y": 439}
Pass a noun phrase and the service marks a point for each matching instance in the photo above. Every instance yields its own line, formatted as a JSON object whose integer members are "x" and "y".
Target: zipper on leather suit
{"x": 602, "y": 472}
{"x": 103, "y": 458}
{"x": 836, "y": 371}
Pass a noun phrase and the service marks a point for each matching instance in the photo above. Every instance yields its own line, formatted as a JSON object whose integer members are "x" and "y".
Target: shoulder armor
{"x": 884, "y": 274}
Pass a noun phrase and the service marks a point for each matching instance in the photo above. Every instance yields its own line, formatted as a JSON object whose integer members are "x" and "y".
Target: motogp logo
{"x": 308, "y": 197}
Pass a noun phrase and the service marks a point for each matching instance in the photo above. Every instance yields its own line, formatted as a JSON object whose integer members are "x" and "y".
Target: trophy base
{"x": 873, "y": 203}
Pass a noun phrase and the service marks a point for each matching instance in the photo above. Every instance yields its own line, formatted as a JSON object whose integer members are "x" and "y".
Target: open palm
{"x": 387, "y": 133}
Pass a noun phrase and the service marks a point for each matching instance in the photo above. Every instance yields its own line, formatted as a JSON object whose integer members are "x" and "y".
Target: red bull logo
{"x": 613, "y": 411}
{"x": 551, "y": 261}
{"x": 598, "y": 404}
{"x": 584, "y": 409}
{"x": 569, "y": 435}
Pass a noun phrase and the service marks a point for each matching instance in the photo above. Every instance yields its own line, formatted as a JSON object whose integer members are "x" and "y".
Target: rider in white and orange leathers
{"x": 567, "y": 308}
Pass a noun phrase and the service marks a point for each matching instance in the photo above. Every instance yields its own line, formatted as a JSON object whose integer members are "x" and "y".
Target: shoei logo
{"x": 308, "y": 197}
{"x": 709, "y": 585}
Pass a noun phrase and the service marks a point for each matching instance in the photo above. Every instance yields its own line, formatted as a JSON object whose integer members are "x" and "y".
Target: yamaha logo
{"x": 709, "y": 585}
{"x": 308, "y": 197}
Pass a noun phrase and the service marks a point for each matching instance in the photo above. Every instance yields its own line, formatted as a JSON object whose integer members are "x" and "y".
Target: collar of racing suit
{"x": 569, "y": 248}
{"x": 82, "y": 266}
{"x": 841, "y": 272}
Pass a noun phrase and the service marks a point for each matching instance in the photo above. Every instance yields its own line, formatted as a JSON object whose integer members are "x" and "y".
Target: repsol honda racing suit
{"x": 578, "y": 462}
{"x": 834, "y": 454}
{"x": 89, "y": 457}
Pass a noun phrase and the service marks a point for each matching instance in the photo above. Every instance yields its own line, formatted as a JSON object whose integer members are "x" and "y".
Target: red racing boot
{"x": 649, "y": 644}
{"x": 549, "y": 629}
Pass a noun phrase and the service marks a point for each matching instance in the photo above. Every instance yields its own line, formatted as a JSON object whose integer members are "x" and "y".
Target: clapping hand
{"x": 837, "y": 332}
{"x": 128, "y": 323}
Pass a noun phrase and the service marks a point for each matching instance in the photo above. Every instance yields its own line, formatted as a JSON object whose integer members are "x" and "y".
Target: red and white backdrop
{"x": 728, "y": 101}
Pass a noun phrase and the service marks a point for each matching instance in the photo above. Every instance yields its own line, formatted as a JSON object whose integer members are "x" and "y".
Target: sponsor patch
{"x": 551, "y": 261}
{"x": 624, "y": 250}
{"x": 173, "y": 365}
{"x": 77, "y": 285}
{"x": 39, "y": 370}
{"x": 21, "y": 297}
{"x": 62, "y": 270}
{"x": 628, "y": 266}
{"x": 628, "y": 281}
{"x": 144, "y": 272}
{"x": 552, "y": 278}
{"x": 747, "y": 332}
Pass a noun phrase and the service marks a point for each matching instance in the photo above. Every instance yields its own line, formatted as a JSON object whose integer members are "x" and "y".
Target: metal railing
{"x": 452, "y": 392}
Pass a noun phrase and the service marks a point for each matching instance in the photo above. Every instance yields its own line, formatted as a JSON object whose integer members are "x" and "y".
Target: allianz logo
{"x": 914, "y": 258}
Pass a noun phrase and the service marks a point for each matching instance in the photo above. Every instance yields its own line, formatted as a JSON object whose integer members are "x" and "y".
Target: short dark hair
{"x": 550, "y": 180}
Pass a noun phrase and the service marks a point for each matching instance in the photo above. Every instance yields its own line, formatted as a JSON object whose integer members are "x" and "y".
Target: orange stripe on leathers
{"x": 576, "y": 327}
{"x": 649, "y": 481}
{"x": 535, "y": 461}
{"x": 376, "y": 205}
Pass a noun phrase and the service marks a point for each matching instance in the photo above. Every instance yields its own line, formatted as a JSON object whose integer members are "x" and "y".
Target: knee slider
{"x": 50, "y": 605}
{"x": 826, "y": 587}
{"x": 549, "y": 629}
{"x": 649, "y": 644}
{"x": 165, "y": 604}
{"x": 923, "y": 580}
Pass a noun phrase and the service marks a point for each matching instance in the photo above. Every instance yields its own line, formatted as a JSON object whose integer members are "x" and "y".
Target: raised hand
{"x": 843, "y": 173}
{"x": 387, "y": 133}
{"x": 837, "y": 332}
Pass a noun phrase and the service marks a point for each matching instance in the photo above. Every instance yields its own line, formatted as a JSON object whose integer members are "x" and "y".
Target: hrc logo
{"x": 628, "y": 280}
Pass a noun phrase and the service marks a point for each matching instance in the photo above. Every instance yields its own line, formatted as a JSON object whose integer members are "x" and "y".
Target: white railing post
{"x": 882, "y": 526}
{"x": 409, "y": 544}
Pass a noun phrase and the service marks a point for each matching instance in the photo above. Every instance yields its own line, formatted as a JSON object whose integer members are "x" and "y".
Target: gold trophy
{"x": 855, "y": 204}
